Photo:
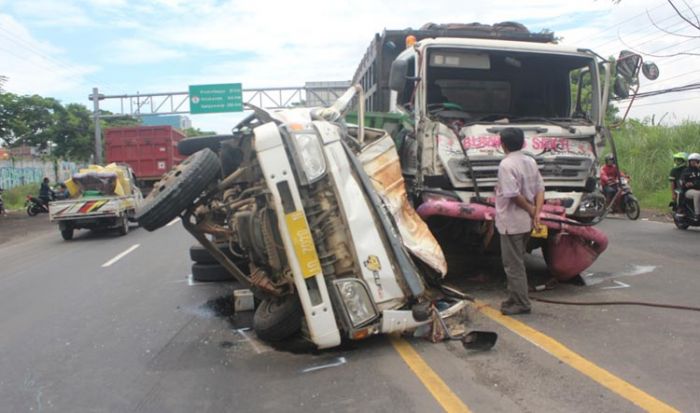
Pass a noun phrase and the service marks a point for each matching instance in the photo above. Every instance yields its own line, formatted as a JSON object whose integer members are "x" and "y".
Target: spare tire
{"x": 200, "y": 255}
{"x": 278, "y": 318}
{"x": 177, "y": 189}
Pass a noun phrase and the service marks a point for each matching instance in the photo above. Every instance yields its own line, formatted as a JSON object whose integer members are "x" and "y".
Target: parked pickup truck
{"x": 101, "y": 198}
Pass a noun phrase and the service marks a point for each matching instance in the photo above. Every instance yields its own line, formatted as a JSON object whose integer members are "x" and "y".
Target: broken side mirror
{"x": 397, "y": 75}
{"x": 621, "y": 88}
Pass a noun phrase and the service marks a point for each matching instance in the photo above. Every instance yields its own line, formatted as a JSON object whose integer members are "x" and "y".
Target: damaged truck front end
{"x": 316, "y": 222}
{"x": 458, "y": 94}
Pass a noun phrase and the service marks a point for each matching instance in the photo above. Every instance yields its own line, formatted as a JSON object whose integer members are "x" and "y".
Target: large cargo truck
{"x": 150, "y": 151}
{"x": 455, "y": 87}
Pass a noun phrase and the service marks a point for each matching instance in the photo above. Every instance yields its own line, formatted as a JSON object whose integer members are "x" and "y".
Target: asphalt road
{"x": 137, "y": 335}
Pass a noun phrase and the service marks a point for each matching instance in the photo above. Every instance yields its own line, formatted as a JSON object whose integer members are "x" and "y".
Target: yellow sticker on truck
{"x": 303, "y": 244}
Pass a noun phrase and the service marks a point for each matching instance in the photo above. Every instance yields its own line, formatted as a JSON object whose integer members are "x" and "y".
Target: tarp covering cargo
{"x": 96, "y": 180}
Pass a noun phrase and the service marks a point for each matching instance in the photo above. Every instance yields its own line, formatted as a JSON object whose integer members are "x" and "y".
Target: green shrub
{"x": 14, "y": 198}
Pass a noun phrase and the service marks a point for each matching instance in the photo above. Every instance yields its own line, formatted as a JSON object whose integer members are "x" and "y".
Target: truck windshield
{"x": 509, "y": 84}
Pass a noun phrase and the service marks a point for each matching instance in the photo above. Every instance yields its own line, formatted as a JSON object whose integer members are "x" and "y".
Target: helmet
{"x": 694, "y": 156}
{"x": 681, "y": 155}
{"x": 609, "y": 157}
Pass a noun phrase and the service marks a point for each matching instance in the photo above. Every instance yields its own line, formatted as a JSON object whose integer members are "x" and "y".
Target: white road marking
{"x": 340, "y": 362}
{"x": 242, "y": 331}
{"x": 620, "y": 284}
{"x": 120, "y": 256}
{"x": 174, "y": 221}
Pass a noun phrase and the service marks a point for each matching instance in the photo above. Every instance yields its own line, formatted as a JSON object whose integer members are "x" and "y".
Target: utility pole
{"x": 96, "y": 97}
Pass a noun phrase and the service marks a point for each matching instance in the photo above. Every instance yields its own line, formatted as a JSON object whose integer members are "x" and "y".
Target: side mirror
{"x": 397, "y": 75}
{"x": 628, "y": 65}
{"x": 650, "y": 70}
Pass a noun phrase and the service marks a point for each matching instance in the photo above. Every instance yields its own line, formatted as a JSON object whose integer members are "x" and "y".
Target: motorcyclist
{"x": 690, "y": 179}
{"x": 680, "y": 162}
{"x": 46, "y": 194}
{"x": 609, "y": 177}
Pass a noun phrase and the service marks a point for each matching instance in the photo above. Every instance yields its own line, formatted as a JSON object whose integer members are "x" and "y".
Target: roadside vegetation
{"x": 14, "y": 198}
{"x": 645, "y": 152}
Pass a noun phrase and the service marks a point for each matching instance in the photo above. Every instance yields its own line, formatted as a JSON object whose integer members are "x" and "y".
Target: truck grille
{"x": 572, "y": 170}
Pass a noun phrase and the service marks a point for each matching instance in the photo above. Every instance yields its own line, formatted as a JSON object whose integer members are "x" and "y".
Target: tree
{"x": 26, "y": 119}
{"x": 73, "y": 133}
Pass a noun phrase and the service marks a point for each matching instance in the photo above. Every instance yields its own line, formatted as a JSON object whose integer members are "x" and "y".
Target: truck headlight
{"x": 310, "y": 155}
{"x": 357, "y": 301}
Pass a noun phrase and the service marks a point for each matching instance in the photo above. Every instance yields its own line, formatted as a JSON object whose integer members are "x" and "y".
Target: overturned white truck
{"x": 455, "y": 87}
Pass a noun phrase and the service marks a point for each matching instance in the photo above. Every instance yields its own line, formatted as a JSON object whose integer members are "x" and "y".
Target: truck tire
{"x": 200, "y": 255}
{"x": 67, "y": 234}
{"x": 191, "y": 145}
{"x": 210, "y": 273}
{"x": 277, "y": 319}
{"x": 124, "y": 225}
{"x": 177, "y": 189}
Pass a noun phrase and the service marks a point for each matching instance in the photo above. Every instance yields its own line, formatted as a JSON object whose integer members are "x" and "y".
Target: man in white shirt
{"x": 519, "y": 199}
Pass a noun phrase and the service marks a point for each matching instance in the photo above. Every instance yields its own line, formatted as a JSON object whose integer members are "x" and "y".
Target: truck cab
{"x": 461, "y": 92}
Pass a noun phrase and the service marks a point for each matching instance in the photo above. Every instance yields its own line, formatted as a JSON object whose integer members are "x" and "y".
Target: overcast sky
{"x": 65, "y": 48}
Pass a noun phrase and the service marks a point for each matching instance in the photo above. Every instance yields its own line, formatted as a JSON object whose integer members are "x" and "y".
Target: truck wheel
{"x": 67, "y": 234}
{"x": 124, "y": 226}
{"x": 177, "y": 189}
{"x": 277, "y": 319}
{"x": 210, "y": 273}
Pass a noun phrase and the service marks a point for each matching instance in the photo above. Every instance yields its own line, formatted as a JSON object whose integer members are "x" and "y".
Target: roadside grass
{"x": 14, "y": 198}
{"x": 645, "y": 153}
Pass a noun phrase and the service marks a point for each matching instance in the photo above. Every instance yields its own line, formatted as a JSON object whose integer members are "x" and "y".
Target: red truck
{"x": 151, "y": 151}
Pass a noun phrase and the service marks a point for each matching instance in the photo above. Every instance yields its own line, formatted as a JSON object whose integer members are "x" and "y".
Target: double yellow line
{"x": 450, "y": 402}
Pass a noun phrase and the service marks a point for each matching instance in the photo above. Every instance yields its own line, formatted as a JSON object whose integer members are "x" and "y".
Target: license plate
{"x": 303, "y": 244}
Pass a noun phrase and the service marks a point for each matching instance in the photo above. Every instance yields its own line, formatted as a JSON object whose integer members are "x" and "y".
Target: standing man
{"x": 519, "y": 199}
{"x": 691, "y": 183}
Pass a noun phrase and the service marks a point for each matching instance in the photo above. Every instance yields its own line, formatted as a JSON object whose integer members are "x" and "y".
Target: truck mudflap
{"x": 570, "y": 249}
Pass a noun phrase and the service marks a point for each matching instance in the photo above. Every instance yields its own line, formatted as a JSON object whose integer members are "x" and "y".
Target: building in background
{"x": 176, "y": 121}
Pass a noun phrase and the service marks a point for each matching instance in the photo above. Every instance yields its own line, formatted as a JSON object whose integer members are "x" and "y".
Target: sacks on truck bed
{"x": 99, "y": 180}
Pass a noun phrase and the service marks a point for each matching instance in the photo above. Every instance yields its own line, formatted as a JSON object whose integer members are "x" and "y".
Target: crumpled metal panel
{"x": 381, "y": 162}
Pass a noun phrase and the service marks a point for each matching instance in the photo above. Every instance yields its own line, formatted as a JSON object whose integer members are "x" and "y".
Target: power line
{"x": 642, "y": 28}
{"x": 650, "y": 37}
{"x": 667, "y": 101}
{"x": 620, "y": 23}
{"x": 25, "y": 45}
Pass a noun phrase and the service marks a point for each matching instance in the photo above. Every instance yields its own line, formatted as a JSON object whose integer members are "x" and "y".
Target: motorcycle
{"x": 317, "y": 211}
{"x": 35, "y": 206}
{"x": 684, "y": 212}
{"x": 624, "y": 201}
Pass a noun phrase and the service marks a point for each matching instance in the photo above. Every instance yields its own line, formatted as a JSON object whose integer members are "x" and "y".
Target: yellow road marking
{"x": 440, "y": 391}
{"x": 558, "y": 350}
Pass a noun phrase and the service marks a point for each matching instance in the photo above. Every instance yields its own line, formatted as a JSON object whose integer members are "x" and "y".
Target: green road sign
{"x": 216, "y": 98}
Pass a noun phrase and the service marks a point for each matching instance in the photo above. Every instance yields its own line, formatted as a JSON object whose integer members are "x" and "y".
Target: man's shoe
{"x": 514, "y": 309}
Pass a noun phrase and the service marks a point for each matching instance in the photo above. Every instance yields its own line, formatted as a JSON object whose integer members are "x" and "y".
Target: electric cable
{"x": 601, "y": 303}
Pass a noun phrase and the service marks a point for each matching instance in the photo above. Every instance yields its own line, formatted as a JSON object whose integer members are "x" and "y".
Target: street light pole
{"x": 95, "y": 97}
